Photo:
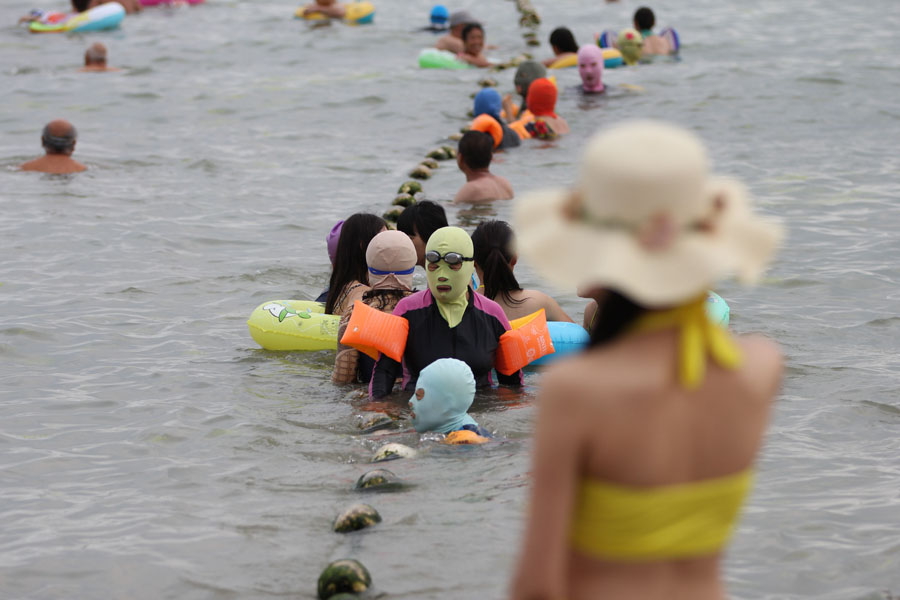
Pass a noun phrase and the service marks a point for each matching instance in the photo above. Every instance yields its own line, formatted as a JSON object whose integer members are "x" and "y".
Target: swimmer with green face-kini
{"x": 448, "y": 320}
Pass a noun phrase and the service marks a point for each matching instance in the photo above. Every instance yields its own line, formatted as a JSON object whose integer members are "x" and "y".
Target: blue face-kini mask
{"x": 488, "y": 101}
{"x": 449, "y": 388}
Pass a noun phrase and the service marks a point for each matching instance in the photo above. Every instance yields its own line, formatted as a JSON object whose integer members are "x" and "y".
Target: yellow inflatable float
{"x": 612, "y": 58}
{"x": 293, "y": 325}
{"x": 358, "y": 13}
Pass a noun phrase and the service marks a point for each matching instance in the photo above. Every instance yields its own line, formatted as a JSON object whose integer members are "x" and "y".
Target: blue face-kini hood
{"x": 488, "y": 101}
{"x": 449, "y": 388}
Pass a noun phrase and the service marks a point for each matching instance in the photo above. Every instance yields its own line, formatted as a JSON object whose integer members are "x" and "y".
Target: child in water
{"x": 644, "y": 20}
{"x": 444, "y": 392}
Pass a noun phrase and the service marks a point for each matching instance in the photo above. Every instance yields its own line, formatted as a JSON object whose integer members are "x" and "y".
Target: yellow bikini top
{"x": 696, "y": 518}
{"x": 619, "y": 522}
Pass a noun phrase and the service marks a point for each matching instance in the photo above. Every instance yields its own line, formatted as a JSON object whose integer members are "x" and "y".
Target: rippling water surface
{"x": 148, "y": 447}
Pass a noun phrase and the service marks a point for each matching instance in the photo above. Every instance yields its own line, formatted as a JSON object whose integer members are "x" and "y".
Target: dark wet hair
{"x": 58, "y": 144}
{"x": 493, "y": 243}
{"x": 476, "y": 149}
{"x": 644, "y": 19}
{"x": 81, "y": 5}
{"x": 563, "y": 39}
{"x": 350, "y": 257}
{"x": 615, "y": 313}
{"x": 422, "y": 219}
{"x": 468, "y": 29}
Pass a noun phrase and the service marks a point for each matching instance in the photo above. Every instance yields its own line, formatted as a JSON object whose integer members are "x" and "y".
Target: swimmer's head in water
{"x": 489, "y": 102}
{"x": 59, "y": 137}
{"x": 391, "y": 259}
{"x": 527, "y": 72}
{"x": 418, "y": 222}
{"x": 444, "y": 392}
{"x": 542, "y": 98}
{"x": 473, "y": 39}
{"x": 95, "y": 55}
{"x": 459, "y": 20}
{"x": 644, "y": 19}
{"x": 590, "y": 67}
{"x": 439, "y": 15}
{"x": 562, "y": 40}
{"x": 81, "y": 5}
{"x": 476, "y": 149}
{"x": 631, "y": 45}
{"x": 448, "y": 282}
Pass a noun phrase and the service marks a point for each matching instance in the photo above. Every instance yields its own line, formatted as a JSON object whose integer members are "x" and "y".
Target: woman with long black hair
{"x": 350, "y": 275}
{"x": 495, "y": 260}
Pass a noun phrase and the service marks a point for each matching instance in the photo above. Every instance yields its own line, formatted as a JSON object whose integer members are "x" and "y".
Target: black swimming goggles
{"x": 451, "y": 258}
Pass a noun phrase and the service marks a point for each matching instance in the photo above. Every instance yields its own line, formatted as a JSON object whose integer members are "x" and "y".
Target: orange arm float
{"x": 371, "y": 331}
{"x": 464, "y": 436}
{"x": 527, "y": 341}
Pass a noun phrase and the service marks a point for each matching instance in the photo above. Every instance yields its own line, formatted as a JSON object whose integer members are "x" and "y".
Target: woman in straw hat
{"x": 645, "y": 443}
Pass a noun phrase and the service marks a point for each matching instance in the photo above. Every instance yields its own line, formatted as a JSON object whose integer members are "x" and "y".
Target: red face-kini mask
{"x": 542, "y": 98}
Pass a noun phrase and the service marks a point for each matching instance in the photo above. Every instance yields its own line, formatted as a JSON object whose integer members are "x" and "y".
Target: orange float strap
{"x": 371, "y": 331}
{"x": 527, "y": 341}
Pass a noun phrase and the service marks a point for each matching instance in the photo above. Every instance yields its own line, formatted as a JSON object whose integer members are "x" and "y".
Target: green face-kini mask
{"x": 449, "y": 286}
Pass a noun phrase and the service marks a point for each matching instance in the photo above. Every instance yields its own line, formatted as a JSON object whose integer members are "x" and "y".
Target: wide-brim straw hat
{"x": 645, "y": 219}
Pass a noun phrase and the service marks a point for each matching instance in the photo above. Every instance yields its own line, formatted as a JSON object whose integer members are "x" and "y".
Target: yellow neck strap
{"x": 698, "y": 337}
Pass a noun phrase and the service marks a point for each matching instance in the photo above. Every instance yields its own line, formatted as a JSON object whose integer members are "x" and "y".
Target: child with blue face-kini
{"x": 444, "y": 392}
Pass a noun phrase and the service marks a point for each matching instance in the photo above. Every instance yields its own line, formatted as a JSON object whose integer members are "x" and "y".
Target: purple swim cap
{"x": 332, "y": 239}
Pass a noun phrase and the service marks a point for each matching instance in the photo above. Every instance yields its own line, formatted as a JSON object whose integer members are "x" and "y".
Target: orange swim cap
{"x": 489, "y": 124}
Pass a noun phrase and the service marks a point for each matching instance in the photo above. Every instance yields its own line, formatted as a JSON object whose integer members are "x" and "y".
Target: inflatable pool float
{"x": 432, "y": 58}
{"x": 670, "y": 35}
{"x": 569, "y": 338}
{"x": 612, "y": 58}
{"x": 608, "y": 38}
{"x": 358, "y": 13}
{"x": 718, "y": 310}
{"x": 99, "y": 18}
{"x": 169, "y": 2}
{"x": 293, "y": 325}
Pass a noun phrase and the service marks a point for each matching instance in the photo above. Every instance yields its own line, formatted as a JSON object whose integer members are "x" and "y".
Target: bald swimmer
{"x": 58, "y": 140}
{"x": 95, "y": 59}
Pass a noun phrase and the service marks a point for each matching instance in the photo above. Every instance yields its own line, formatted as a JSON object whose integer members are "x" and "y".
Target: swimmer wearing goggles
{"x": 454, "y": 259}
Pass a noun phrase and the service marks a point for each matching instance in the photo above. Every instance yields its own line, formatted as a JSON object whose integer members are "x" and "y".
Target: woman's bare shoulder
{"x": 591, "y": 375}
{"x": 763, "y": 363}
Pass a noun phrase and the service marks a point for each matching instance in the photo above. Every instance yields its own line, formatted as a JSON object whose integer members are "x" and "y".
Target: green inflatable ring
{"x": 432, "y": 58}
